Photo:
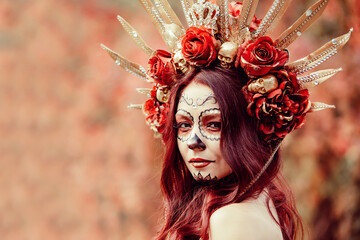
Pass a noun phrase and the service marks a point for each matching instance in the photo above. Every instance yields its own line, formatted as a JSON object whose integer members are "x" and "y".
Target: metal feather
{"x": 300, "y": 26}
{"x": 319, "y": 56}
{"x": 146, "y": 91}
{"x": 152, "y": 11}
{"x": 318, "y": 106}
{"x": 316, "y": 78}
{"x": 135, "y": 36}
{"x": 136, "y": 106}
{"x": 164, "y": 6}
{"x": 247, "y": 13}
{"x": 271, "y": 18}
{"x": 224, "y": 19}
{"x": 185, "y": 6}
{"x": 131, "y": 67}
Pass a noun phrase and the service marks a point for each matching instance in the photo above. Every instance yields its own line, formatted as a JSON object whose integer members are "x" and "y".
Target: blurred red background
{"x": 75, "y": 163}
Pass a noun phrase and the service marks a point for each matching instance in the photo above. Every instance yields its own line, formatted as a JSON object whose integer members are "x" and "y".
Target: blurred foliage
{"x": 76, "y": 164}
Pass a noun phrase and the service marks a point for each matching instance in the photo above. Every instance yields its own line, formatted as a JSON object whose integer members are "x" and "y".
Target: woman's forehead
{"x": 197, "y": 96}
{"x": 196, "y": 89}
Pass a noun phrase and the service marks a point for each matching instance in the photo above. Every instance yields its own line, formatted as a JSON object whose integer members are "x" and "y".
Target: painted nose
{"x": 196, "y": 143}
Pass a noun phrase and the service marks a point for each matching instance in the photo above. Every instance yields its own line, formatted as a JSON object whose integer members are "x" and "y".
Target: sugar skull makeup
{"x": 198, "y": 123}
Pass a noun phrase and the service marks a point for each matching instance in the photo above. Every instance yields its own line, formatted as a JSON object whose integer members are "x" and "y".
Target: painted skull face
{"x": 263, "y": 85}
{"x": 198, "y": 123}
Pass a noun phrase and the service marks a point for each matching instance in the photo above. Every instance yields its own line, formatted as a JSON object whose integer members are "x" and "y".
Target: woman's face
{"x": 198, "y": 122}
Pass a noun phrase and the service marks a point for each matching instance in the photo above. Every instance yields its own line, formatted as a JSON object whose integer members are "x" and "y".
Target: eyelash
{"x": 216, "y": 125}
{"x": 183, "y": 126}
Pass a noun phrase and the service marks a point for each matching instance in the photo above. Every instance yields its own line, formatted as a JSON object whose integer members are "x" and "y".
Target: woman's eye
{"x": 184, "y": 126}
{"x": 214, "y": 126}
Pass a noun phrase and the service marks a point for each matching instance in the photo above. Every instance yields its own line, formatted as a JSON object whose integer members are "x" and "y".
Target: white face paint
{"x": 198, "y": 120}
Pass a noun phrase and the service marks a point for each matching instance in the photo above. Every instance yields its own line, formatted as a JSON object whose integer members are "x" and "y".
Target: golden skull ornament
{"x": 264, "y": 84}
{"x": 227, "y": 54}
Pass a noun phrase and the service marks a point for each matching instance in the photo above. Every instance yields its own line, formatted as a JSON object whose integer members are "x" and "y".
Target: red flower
{"x": 156, "y": 112}
{"x": 281, "y": 110}
{"x": 150, "y": 107}
{"x": 234, "y": 11}
{"x": 160, "y": 67}
{"x": 260, "y": 57}
{"x": 199, "y": 47}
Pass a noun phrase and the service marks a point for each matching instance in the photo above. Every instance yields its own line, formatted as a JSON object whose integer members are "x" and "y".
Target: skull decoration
{"x": 227, "y": 54}
{"x": 180, "y": 62}
{"x": 263, "y": 85}
{"x": 162, "y": 94}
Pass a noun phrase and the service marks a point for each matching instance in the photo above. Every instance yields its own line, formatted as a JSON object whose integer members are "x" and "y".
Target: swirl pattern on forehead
{"x": 211, "y": 137}
{"x": 210, "y": 97}
{"x": 199, "y": 101}
{"x": 186, "y": 99}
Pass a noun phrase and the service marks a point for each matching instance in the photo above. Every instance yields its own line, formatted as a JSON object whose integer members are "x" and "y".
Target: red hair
{"x": 189, "y": 204}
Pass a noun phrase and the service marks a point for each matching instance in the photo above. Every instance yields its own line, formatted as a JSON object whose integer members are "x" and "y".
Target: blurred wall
{"x": 75, "y": 163}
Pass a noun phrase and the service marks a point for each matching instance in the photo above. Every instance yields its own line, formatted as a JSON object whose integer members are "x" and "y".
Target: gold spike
{"x": 170, "y": 32}
{"x": 318, "y": 106}
{"x": 146, "y": 91}
{"x": 240, "y": 36}
{"x": 319, "y": 56}
{"x": 136, "y": 106}
{"x": 135, "y": 36}
{"x": 247, "y": 13}
{"x": 235, "y": 31}
{"x": 300, "y": 26}
{"x": 271, "y": 18}
{"x": 189, "y": 3}
{"x": 168, "y": 11}
{"x": 131, "y": 67}
{"x": 224, "y": 20}
{"x": 185, "y": 6}
{"x": 154, "y": 14}
{"x": 316, "y": 78}
{"x": 171, "y": 35}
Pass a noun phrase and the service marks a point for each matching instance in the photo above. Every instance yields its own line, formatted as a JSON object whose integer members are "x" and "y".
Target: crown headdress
{"x": 230, "y": 35}
{"x": 203, "y": 14}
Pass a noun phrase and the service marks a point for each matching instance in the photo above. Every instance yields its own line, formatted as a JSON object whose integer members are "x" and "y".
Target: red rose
{"x": 150, "y": 108}
{"x": 234, "y": 11}
{"x": 156, "y": 112}
{"x": 260, "y": 57}
{"x": 199, "y": 47}
{"x": 160, "y": 67}
{"x": 282, "y": 110}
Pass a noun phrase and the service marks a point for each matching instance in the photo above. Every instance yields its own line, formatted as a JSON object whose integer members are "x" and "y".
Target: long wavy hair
{"x": 188, "y": 204}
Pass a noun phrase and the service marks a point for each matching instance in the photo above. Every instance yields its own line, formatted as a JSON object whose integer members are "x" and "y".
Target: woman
{"x": 234, "y": 97}
{"x": 213, "y": 152}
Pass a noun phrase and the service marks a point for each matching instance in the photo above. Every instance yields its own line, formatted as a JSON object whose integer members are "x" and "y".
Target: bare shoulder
{"x": 249, "y": 220}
